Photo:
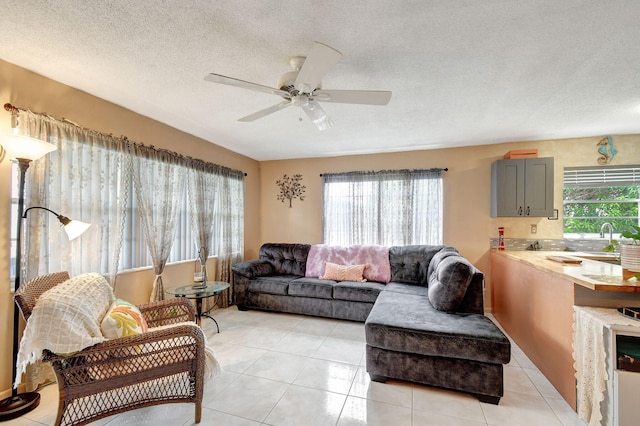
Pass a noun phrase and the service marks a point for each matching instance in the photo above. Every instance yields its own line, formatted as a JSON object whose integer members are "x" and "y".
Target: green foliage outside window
{"x": 586, "y": 209}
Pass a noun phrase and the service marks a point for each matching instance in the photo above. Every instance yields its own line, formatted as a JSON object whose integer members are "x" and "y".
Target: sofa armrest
{"x": 254, "y": 268}
{"x": 455, "y": 284}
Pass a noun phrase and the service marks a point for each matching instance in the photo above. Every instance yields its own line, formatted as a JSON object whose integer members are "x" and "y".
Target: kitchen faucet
{"x": 610, "y": 226}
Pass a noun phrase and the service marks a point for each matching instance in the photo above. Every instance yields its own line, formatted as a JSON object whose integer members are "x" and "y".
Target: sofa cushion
{"x": 449, "y": 282}
{"x": 337, "y": 272}
{"x": 409, "y": 264}
{"x": 253, "y": 268}
{"x": 287, "y": 259}
{"x": 416, "y": 290}
{"x": 357, "y": 291}
{"x": 311, "y": 287}
{"x": 422, "y": 329}
{"x": 274, "y": 284}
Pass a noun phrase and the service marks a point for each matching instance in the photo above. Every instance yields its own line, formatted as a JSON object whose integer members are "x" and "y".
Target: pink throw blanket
{"x": 377, "y": 257}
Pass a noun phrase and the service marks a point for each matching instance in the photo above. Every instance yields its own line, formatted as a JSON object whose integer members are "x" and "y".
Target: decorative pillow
{"x": 449, "y": 283}
{"x": 123, "y": 319}
{"x": 375, "y": 257}
{"x": 336, "y": 272}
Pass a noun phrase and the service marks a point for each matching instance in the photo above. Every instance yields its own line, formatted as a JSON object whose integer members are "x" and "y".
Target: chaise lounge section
{"x": 424, "y": 318}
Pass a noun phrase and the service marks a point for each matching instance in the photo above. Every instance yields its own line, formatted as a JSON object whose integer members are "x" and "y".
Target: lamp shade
{"x": 75, "y": 228}
{"x": 25, "y": 147}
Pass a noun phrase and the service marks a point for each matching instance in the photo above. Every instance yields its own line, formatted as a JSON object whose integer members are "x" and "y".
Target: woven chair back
{"x": 28, "y": 293}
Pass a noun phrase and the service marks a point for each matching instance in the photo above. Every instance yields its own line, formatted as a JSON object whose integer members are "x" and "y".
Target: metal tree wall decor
{"x": 290, "y": 188}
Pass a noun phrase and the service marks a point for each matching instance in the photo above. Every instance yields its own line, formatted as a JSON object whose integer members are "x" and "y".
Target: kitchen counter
{"x": 591, "y": 274}
{"x": 533, "y": 298}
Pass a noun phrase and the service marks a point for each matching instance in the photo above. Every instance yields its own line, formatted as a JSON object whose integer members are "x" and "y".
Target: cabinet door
{"x": 522, "y": 187}
{"x": 538, "y": 187}
{"x": 507, "y": 190}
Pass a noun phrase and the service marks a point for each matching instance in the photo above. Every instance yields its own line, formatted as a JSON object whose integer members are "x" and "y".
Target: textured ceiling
{"x": 461, "y": 72}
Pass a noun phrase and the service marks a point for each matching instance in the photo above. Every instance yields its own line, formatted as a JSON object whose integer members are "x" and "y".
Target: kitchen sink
{"x": 600, "y": 257}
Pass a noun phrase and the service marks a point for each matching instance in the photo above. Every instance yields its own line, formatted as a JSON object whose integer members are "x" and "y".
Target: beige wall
{"x": 468, "y": 225}
{"x": 31, "y": 91}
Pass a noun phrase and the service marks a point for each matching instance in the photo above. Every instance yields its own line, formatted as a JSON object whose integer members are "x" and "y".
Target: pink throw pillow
{"x": 343, "y": 272}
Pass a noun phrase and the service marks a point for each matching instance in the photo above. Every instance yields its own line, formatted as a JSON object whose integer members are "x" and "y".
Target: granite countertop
{"x": 592, "y": 274}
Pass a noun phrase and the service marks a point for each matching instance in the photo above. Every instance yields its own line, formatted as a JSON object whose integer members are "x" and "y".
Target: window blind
{"x": 576, "y": 177}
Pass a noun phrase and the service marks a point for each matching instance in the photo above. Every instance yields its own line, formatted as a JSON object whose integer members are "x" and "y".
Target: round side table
{"x": 199, "y": 292}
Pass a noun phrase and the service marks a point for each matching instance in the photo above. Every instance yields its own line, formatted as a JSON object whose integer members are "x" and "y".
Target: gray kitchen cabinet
{"x": 522, "y": 188}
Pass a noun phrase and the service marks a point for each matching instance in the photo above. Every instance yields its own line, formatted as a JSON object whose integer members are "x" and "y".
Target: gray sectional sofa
{"x": 426, "y": 325}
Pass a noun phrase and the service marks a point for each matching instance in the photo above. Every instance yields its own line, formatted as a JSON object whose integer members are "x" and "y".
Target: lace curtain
{"x": 84, "y": 179}
{"x": 90, "y": 178}
{"x": 216, "y": 197}
{"x": 159, "y": 180}
{"x": 85, "y": 174}
{"x": 391, "y": 207}
{"x": 230, "y": 229}
{"x": 203, "y": 188}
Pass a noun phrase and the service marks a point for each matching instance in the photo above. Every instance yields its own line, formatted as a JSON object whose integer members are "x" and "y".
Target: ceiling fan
{"x": 302, "y": 87}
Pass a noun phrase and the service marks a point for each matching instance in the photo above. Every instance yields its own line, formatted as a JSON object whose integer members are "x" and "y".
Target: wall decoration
{"x": 290, "y": 188}
{"x": 606, "y": 150}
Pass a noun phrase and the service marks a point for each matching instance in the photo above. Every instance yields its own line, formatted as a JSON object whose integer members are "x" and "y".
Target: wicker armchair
{"x": 156, "y": 367}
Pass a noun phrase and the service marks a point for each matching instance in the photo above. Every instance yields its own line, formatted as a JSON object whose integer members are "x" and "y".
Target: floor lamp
{"x": 24, "y": 150}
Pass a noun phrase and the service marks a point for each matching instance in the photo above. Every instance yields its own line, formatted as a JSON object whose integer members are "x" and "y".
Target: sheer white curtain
{"x": 391, "y": 207}
{"x": 203, "y": 186}
{"x": 84, "y": 179}
{"x": 216, "y": 198}
{"x": 159, "y": 181}
{"x": 229, "y": 228}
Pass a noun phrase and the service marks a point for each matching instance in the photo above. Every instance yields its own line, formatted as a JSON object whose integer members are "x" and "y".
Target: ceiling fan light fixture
{"x": 301, "y": 101}
{"x": 323, "y": 123}
{"x": 317, "y": 116}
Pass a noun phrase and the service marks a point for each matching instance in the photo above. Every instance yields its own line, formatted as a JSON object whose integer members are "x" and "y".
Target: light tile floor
{"x": 281, "y": 369}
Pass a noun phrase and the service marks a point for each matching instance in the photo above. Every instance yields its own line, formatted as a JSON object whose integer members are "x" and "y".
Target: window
{"x": 396, "y": 207}
{"x": 94, "y": 187}
{"x": 101, "y": 179}
{"x": 597, "y": 195}
{"x": 135, "y": 253}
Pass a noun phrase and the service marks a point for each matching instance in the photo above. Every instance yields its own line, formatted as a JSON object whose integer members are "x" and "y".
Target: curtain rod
{"x": 446, "y": 169}
{"x": 15, "y": 110}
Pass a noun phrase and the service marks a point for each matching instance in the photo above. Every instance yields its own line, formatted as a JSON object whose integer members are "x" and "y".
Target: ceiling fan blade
{"x": 365, "y": 97}
{"x": 266, "y": 111}
{"x": 321, "y": 58}
{"x": 317, "y": 115}
{"x": 230, "y": 81}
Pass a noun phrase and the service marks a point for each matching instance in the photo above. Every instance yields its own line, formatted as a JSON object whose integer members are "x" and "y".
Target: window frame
{"x": 594, "y": 177}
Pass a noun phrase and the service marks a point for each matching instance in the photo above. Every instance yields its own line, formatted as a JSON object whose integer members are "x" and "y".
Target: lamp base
{"x": 15, "y": 406}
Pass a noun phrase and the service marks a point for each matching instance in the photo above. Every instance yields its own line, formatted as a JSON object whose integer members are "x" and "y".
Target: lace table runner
{"x": 589, "y": 357}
